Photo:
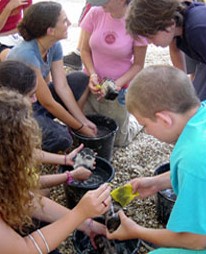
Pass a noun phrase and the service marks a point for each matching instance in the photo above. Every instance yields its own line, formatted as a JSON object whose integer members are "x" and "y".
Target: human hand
{"x": 127, "y": 229}
{"x": 13, "y": 4}
{"x": 81, "y": 173}
{"x": 95, "y": 202}
{"x": 87, "y": 131}
{"x": 94, "y": 86}
{"x": 69, "y": 160}
{"x": 91, "y": 125}
{"x": 94, "y": 228}
{"x": 145, "y": 186}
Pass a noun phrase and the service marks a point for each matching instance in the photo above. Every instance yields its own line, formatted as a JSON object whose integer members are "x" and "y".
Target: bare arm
{"x": 161, "y": 237}
{"x": 80, "y": 173}
{"x": 44, "y": 96}
{"x": 66, "y": 95}
{"x": 13, "y": 4}
{"x": 64, "y": 222}
{"x": 138, "y": 64}
{"x": 86, "y": 52}
{"x": 147, "y": 186}
{"x": 54, "y": 158}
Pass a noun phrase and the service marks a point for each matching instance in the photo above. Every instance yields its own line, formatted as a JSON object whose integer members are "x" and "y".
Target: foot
{"x": 73, "y": 60}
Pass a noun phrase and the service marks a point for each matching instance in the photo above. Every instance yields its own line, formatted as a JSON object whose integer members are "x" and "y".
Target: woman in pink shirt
{"x": 108, "y": 51}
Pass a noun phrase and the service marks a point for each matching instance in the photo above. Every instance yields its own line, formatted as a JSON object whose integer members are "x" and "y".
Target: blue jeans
{"x": 55, "y": 136}
{"x": 121, "y": 96}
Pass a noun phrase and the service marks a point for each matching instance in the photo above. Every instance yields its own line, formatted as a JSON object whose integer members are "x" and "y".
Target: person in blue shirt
{"x": 165, "y": 21}
{"x": 59, "y": 96}
{"x": 164, "y": 102}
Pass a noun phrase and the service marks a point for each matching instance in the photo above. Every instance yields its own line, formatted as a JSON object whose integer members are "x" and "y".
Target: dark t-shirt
{"x": 193, "y": 41}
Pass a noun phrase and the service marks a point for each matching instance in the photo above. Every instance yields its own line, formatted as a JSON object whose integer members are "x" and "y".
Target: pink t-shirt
{"x": 112, "y": 47}
{"x": 15, "y": 16}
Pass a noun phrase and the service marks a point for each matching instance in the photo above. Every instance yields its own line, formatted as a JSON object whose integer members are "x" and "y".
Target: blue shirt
{"x": 28, "y": 53}
{"x": 188, "y": 177}
{"x": 192, "y": 41}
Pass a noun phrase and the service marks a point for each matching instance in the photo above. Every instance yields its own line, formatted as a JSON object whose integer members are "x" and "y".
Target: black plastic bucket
{"x": 165, "y": 198}
{"x": 103, "y": 172}
{"x": 83, "y": 245}
{"x": 103, "y": 143}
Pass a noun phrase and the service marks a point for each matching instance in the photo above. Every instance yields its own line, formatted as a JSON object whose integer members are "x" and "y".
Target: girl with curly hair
{"x": 19, "y": 201}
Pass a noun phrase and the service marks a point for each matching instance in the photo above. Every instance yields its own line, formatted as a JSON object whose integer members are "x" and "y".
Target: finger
{"x": 104, "y": 203}
{"x": 102, "y": 194}
{"x": 79, "y": 148}
{"x": 107, "y": 201}
{"x": 103, "y": 191}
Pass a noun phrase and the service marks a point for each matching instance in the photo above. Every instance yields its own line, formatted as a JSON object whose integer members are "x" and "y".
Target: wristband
{"x": 69, "y": 177}
{"x": 80, "y": 127}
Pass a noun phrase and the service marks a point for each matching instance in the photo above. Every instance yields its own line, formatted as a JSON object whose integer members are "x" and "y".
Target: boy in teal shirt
{"x": 163, "y": 100}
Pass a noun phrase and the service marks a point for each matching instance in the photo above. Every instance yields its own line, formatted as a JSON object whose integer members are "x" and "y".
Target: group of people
{"x": 162, "y": 99}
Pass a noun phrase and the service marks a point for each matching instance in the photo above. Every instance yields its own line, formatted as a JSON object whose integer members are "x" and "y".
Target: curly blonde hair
{"x": 19, "y": 135}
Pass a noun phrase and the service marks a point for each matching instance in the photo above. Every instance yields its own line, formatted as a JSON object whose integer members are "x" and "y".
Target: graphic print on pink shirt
{"x": 110, "y": 37}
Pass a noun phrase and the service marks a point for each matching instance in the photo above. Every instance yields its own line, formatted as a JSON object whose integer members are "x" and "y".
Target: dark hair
{"x": 17, "y": 76}
{"x": 147, "y": 17}
{"x": 38, "y": 18}
{"x": 159, "y": 88}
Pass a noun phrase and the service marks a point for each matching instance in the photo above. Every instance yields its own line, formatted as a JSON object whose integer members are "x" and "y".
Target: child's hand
{"x": 145, "y": 186}
{"x": 127, "y": 229}
{"x": 81, "y": 173}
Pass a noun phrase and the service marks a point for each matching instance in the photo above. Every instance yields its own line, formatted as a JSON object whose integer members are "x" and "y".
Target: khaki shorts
{"x": 128, "y": 126}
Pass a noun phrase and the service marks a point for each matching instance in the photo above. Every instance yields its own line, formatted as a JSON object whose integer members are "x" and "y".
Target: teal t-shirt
{"x": 188, "y": 177}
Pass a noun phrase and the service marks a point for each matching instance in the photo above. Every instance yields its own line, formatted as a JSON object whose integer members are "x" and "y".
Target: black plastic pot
{"x": 103, "y": 143}
{"x": 83, "y": 245}
{"x": 103, "y": 172}
{"x": 165, "y": 198}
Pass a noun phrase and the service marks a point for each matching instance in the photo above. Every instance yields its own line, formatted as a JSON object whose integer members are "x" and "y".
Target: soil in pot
{"x": 103, "y": 172}
{"x": 103, "y": 143}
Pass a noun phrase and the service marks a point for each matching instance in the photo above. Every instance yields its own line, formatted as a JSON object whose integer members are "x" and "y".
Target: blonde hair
{"x": 19, "y": 135}
{"x": 158, "y": 88}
